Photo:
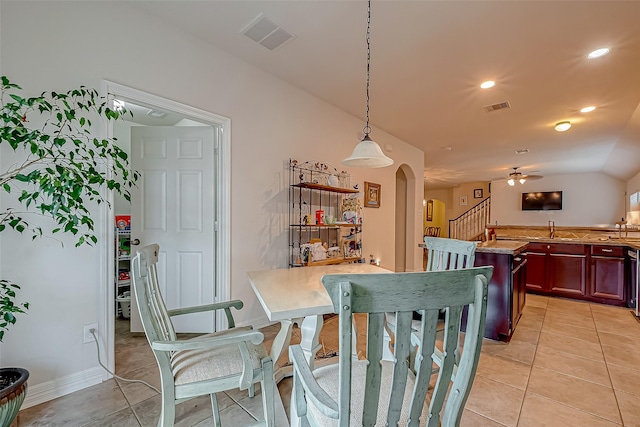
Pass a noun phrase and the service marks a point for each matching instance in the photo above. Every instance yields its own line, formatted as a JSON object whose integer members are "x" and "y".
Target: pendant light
{"x": 368, "y": 153}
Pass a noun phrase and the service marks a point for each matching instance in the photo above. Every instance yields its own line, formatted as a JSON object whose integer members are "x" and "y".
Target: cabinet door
{"x": 535, "y": 272}
{"x": 607, "y": 278}
{"x": 567, "y": 274}
{"x": 519, "y": 278}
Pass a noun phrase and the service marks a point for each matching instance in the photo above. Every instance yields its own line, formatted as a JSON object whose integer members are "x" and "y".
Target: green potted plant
{"x": 56, "y": 169}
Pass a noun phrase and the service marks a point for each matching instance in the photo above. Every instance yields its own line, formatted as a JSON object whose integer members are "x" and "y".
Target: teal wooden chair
{"x": 211, "y": 363}
{"x": 379, "y": 392}
{"x": 449, "y": 254}
{"x": 443, "y": 254}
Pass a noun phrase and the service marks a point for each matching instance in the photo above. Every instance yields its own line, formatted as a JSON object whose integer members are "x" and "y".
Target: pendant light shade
{"x": 368, "y": 153}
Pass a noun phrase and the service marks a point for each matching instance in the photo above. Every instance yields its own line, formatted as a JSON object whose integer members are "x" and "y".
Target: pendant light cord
{"x": 367, "y": 129}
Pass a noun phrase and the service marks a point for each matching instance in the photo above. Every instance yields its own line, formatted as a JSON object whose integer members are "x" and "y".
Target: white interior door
{"x": 174, "y": 206}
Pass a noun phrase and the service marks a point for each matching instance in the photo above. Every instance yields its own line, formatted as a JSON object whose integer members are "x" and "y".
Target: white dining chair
{"x": 231, "y": 359}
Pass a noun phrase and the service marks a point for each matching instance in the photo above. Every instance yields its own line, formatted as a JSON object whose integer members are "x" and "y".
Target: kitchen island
{"x": 507, "y": 288}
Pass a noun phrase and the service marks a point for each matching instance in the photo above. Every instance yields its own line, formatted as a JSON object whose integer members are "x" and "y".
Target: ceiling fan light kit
{"x": 368, "y": 153}
{"x": 516, "y": 176}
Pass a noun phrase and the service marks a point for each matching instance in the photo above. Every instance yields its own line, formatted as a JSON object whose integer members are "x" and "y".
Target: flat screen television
{"x": 542, "y": 201}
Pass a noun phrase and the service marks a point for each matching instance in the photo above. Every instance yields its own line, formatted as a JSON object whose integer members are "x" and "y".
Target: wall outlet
{"x": 87, "y": 335}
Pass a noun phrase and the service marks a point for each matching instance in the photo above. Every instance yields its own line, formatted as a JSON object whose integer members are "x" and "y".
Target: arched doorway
{"x": 405, "y": 220}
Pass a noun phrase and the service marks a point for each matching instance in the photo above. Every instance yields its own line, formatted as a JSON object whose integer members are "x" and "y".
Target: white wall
{"x": 590, "y": 199}
{"x": 72, "y": 43}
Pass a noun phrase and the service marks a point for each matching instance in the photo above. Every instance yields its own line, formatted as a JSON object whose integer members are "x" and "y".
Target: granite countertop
{"x": 632, "y": 243}
{"x": 509, "y": 247}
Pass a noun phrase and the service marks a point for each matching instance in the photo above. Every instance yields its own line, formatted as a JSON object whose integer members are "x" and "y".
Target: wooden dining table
{"x": 296, "y": 296}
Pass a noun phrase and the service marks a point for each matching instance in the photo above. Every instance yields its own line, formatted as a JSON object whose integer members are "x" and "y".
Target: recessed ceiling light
{"x": 488, "y": 84}
{"x": 588, "y": 109}
{"x": 598, "y": 53}
{"x": 562, "y": 126}
{"x": 156, "y": 114}
{"x": 522, "y": 151}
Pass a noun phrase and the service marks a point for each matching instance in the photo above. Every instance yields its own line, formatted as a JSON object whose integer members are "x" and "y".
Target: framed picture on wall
{"x": 371, "y": 195}
{"x": 463, "y": 200}
{"x": 429, "y": 210}
{"x": 477, "y": 193}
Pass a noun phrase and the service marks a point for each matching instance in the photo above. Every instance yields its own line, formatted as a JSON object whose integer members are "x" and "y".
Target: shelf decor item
{"x": 371, "y": 195}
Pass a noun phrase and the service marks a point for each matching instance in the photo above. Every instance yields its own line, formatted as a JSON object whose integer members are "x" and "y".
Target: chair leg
{"x": 252, "y": 390}
{"x": 268, "y": 389}
{"x": 215, "y": 411}
{"x": 167, "y": 411}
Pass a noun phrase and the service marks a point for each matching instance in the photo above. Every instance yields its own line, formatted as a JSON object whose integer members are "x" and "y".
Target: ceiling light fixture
{"x": 598, "y": 53}
{"x": 516, "y": 176}
{"x": 562, "y": 126}
{"x": 588, "y": 109}
{"x": 488, "y": 84}
{"x": 368, "y": 153}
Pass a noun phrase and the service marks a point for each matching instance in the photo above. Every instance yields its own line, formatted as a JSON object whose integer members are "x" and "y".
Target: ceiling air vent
{"x": 265, "y": 32}
{"x": 499, "y": 106}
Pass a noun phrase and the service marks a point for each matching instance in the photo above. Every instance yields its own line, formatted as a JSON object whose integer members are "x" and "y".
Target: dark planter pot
{"x": 13, "y": 390}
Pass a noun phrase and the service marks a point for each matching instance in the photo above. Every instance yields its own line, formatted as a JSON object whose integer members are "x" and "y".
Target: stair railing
{"x": 471, "y": 224}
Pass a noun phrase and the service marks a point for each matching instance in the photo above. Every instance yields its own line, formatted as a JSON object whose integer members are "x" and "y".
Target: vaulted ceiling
{"x": 428, "y": 59}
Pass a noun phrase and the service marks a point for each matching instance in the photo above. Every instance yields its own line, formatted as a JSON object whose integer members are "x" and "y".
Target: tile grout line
{"x": 526, "y": 388}
{"x": 606, "y": 366}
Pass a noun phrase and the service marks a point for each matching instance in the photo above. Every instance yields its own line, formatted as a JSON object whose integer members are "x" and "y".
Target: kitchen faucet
{"x": 552, "y": 229}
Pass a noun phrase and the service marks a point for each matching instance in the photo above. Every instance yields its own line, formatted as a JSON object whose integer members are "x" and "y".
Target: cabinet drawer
{"x": 603, "y": 250}
{"x": 518, "y": 260}
{"x": 537, "y": 247}
{"x": 564, "y": 248}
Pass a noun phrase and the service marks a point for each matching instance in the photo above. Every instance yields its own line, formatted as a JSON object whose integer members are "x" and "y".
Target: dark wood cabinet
{"x": 567, "y": 274}
{"x": 597, "y": 273}
{"x": 507, "y": 293}
{"x": 519, "y": 279}
{"x": 607, "y": 281}
{"x": 536, "y": 267}
{"x": 558, "y": 269}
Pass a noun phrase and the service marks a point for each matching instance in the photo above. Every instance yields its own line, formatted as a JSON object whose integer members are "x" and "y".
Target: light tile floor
{"x": 569, "y": 364}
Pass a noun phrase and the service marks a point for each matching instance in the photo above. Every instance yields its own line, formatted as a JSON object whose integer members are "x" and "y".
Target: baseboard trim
{"x": 59, "y": 387}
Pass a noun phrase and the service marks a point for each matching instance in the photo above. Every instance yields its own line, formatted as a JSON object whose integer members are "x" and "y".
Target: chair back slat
{"x": 450, "y": 345}
{"x": 468, "y": 363}
{"x": 428, "y": 292}
{"x": 402, "y": 348}
{"x": 423, "y": 363}
{"x": 374, "y": 373}
{"x": 449, "y": 254}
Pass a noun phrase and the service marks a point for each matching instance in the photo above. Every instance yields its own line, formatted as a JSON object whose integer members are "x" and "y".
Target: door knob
{"x": 135, "y": 242}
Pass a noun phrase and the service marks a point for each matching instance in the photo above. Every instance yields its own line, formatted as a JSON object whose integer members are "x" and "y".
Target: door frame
{"x": 222, "y": 241}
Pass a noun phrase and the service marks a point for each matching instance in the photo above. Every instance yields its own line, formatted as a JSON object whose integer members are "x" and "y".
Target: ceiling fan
{"x": 516, "y": 176}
